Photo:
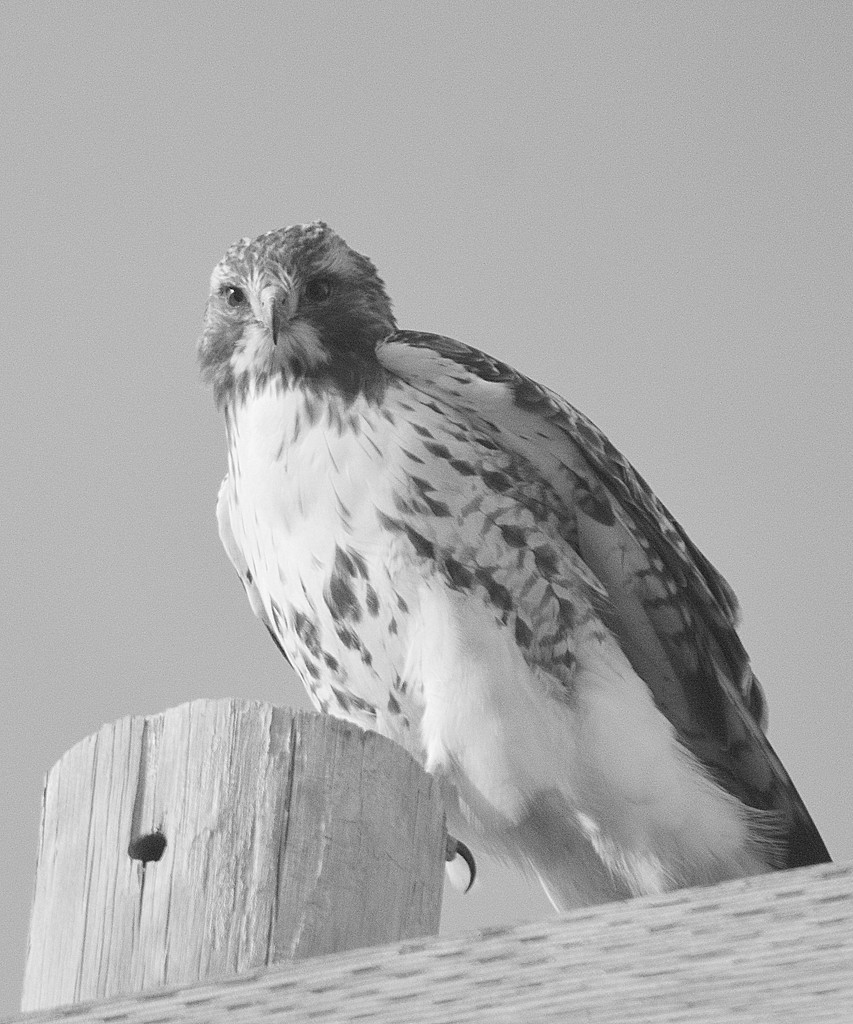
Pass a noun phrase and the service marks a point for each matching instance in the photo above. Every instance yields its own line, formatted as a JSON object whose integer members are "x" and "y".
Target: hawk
{"x": 453, "y": 556}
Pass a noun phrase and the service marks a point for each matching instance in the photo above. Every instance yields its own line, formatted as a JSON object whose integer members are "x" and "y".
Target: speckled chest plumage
{"x": 344, "y": 508}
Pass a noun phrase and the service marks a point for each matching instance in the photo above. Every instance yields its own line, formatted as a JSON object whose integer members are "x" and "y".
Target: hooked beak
{"x": 274, "y": 302}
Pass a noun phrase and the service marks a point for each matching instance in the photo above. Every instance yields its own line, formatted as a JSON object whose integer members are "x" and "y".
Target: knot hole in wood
{"x": 148, "y": 847}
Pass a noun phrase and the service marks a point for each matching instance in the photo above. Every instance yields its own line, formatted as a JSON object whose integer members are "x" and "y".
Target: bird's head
{"x": 296, "y": 303}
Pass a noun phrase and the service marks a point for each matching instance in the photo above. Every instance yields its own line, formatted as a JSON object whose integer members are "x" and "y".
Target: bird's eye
{"x": 233, "y": 296}
{"x": 318, "y": 290}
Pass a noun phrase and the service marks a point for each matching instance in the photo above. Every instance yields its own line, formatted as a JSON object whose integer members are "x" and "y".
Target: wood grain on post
{"x": 221, "y": 836}
{"x": 770, "y": 949}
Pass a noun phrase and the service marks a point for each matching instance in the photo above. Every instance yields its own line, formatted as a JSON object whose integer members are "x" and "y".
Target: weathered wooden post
{"x": 220, "y": 836}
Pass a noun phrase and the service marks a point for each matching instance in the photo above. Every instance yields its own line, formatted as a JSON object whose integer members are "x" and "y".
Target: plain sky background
{"x": 645, "y": 206}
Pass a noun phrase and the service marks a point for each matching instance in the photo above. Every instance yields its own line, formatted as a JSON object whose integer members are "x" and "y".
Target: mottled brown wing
{"x": 674, "y": 614}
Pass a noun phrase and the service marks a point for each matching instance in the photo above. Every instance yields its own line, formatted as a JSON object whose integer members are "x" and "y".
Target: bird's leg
{"x": 456, "y": 848}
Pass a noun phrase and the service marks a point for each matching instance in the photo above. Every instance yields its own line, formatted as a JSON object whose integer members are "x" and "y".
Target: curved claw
{"x": 456, "y": 848}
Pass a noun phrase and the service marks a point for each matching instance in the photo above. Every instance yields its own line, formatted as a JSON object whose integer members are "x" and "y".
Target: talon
{"x": 456, "y": 848}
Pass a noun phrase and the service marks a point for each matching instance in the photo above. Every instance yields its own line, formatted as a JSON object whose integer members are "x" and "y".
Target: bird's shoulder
{"x": 565, "y": 446}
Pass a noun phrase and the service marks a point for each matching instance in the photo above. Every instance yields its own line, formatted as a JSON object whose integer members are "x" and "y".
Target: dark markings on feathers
{"x": 401, "y": 604}
{"x": 344, "y": 513}
{"x": 313, "y": 411}
{"x": 362, "y": 705}
{"x": 278, "y": 616}
{"x": 498, "y": 594}
{"x": 438, "y": 508}
{"x": 423, "y": 431}
{"x": 422, "y": 546}
{"x": 331, "y": 663}
{"x": 249, "y": 576}
{"x": 441, "y": 451}
{"x": 306, "y": 631}
{"x": 344, "y": 565}
{"x": 462, "y": 467}
{"x": 342, "y": 601}
{"x": 471, "y": 506}
{"x": 594, "y": 503}
{"x": 342, "y": 698}
{"x": 523, "y": 634}
{"x": 496, "y": 480}
{"x": 568, "y": 661}
{"x": 348, "y": 701}
{"x": 593, "y": 439}
{"x": 458, "y": 575}
{"x": 277, "y": 642}
{"x": 348, "y": 638}
{"x": 372, "y": 600}
{"x": 388, "y": 523}
{"x": 402, "y": 504}
{"x": 359, "y": 563}
{"x": 567, "y": 612}
{"x": 514, "y": 536}
{"x": 546, "y": 560}
{"x": 393, "y": 704}
{"x": 413, "y": 457}
{"x": 421, "y": 485}
{"x": 526, "y": 394}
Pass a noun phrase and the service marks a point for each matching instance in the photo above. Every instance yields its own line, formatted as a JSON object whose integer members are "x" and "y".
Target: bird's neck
{"x": 295, "y": 452}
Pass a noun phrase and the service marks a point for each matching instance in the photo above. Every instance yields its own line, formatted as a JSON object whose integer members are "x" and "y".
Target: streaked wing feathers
{"x": 673, "y": 613}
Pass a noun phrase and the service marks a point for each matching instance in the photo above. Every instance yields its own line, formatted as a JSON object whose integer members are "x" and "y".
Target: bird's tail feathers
{"x": 636, "y": 812}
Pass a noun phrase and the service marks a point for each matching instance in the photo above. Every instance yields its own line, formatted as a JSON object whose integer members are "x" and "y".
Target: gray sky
{"x": 646, "y": 207}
